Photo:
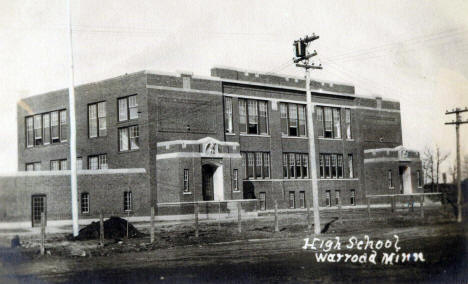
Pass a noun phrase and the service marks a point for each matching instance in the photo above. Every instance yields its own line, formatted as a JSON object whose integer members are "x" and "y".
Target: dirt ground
{"x": 257, "y": 254}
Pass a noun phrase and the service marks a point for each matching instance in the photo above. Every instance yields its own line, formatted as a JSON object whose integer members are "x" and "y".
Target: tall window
{"x": 79, "y": 163}
{"x": 352, "y": 200}
{"x": 129, "y": 138}
{"x": 97, "y": 119}
{"x": 418, "y": 176}
{"x": 85, "y": 203}
{"x": 348, "y": 123}
{"x": 63, "y": 126}
{"x": 253, "y": 116}
{"x": 350, "y": 166}
{"x": 186, "y": 181}
{"x": 295, "y": 165}
{"x": 292, "y": 200}
{"x": 331, "y": 165}
{"x": 337, "y": 197}
{"x": 390, "y": 178}
{"x": 58, "y": 165}
{"x": 29, "y": 132}
{"x": 32, "y": 167}
{"x": 128, "y": 108}
{"x": 328, "y": 198}
{"x": 38, "y": 129}
{"x": 228, "y": 115}
{"x": 128, "y": 203}
{"x": 293, "y": 119}
{"x": 302, "y": 199}
{"x": 97, "y": 162}
{"x": 329, "y": 120}
{"x": 54, "y": 128}
{"x": 46, "y": 127}
{"x": 235, "y": 180}
{"x": 257, "y": 164}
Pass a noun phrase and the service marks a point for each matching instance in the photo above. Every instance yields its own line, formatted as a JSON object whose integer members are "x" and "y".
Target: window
{"x": 228, "y": 115}
{"x": 128, "y": 201}
{"x": 79, "y": 163}
{"x": 328, "y": 198}
{"x": 97, "y": 120}
{"x": 235, "y": 180}
{"x": 350, "y": 166}
{"x": 253, "y": 116}
{"x": 352, "y": 200}
{"x": 33, "y": 167}
{"x": 54, "y": 129}
{"x": 58, "y": 165}
{"x": 418, "y": 176}
{"x": 85, "y": 203}
{"x": 46, "y": 128}
{"x": 390, "y": 179}
{"x": 244, "y": 162}
{"x": 257, "y": 164}
{"x": 337, "y": 197}
{"x": 29, "y": 132}
{"x": 186, "y": 180}
{"x": 128, "y": 108}
{"x": 340, "y": 166}
{"x": 331, "y": 165}
{"x": 295, "y": 165}
{"x": 38, "y": 129}
{"x": 293, "y": 119}
{"x": 63, "y": 126}
{"x": 329, "y": 122}
{"x": 302, "y": 199}
{"x": 129, "y": 138}
{"x": 348, "y": 123}
{"x": 292, "y": 200}
{"x": 262, "y": 201}
{"x": 97, "y": 162}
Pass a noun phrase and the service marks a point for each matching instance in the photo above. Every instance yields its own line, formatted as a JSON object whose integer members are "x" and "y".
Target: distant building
{"x": 151, "y": 137}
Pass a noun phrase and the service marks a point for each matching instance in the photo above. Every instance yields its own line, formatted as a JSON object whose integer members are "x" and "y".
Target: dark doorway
{"x": 207, "y": 182}
{"x": 38, "y": 205}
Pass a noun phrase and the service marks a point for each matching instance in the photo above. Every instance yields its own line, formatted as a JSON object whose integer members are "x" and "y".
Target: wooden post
{"x": 309, "y": 223}
{"x": 152, "y": 225}
{"x": 128, "y": 216}
{"x": 368, "y": 207}
{"x": 196, "y": 220}
{"x": 340, "y": 215}
{"x": 42, "y": 233}
{"x": 276, "y": 216}
{"x": 422, "y": 206}
{"x": 239, "y": 217}
{"x": 412, "y": 203}
{"x": 101, "y": 229}
{"x": 219, "y": 215}
{"x": 393, "y": 203}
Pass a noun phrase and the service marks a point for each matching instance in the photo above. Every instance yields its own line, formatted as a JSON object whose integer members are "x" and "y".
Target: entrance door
{"x": 207, "y": 182}
{"x": 38, "y": 205}
{"x": 406, "y": 186}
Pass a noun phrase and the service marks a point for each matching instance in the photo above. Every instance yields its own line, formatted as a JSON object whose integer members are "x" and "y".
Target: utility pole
{"x": 71, "y": 102}
{"x": 302, "y": 60}
{"x": 457, "y": 123}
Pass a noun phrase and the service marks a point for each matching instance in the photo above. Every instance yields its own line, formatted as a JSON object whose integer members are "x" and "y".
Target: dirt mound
{"x": 114, "y": 228}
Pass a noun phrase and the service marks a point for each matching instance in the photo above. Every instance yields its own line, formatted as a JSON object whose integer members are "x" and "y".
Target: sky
{"x": 412, "y": 51}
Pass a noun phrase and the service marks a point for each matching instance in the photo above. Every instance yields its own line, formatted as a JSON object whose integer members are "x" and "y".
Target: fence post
{"x": 219, "y": 215}
{"x": 368, "y": 207}
{"x": 196, "y": 220}
{"x": 152, "y": 225}
{"x": 42, "y": 233}
{"x": 393, "y": 203}
{"x": 128, "y": 216}
{"x": 412, "y": 203}
{"x": 422, "y": 206}
{"x": 101, "y": 229}
{"x": 276, "y": 216}
{"x": 309, "y": 224}
{"x": 340, "y": 215}
{"x": 239, "y": 217}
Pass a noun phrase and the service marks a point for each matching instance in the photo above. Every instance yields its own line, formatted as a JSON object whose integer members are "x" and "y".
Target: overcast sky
{"x": 412, "y": 51}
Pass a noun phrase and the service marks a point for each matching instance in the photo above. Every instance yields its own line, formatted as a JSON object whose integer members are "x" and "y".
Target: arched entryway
{"x": 212, "y": 182}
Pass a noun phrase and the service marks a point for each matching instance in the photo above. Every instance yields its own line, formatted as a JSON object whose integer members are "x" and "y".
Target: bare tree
{"x": 453, "y": 172}
{"x": 428, "y": 166}
{"x": 439, "y": 159}
{"x": 464, "y": 167}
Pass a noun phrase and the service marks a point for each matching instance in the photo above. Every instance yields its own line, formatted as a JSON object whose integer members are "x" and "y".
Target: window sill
{"x": 187, "y": 192}
{"x": 334, "y": 139}
{"x": 97, "y": 137}
{"x": 129, "y": 151}
{"x": 230, "y": 134}
{"x": 255, "y": 135}
{"x": 236, "y": 191}
{"x": 321, "y": 179}
{"x": 46, "y": 145}
{"x": 295, "y": 137}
